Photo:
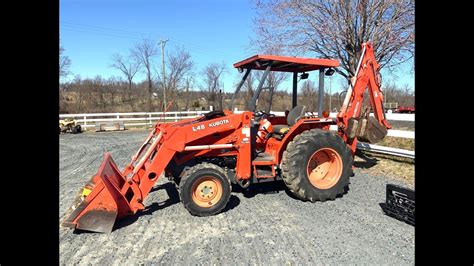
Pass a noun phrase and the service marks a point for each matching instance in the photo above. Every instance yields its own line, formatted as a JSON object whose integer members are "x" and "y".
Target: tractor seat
{"x": 293, "y": 116}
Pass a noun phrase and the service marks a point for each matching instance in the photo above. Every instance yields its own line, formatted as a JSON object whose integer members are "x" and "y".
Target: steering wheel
{"x": 214, "y": 114}
{"x": 259, "y": 114}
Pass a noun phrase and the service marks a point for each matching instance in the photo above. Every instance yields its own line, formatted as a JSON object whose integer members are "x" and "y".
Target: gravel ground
{"x": 262, "y": 226}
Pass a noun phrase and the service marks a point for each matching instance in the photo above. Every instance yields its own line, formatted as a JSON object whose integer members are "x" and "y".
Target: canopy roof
{"x": 286, "y": 63}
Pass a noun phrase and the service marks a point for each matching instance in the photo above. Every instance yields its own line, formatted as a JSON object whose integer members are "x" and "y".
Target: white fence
{"x": 132, "y": 119}
{"x": 149, "y": 119}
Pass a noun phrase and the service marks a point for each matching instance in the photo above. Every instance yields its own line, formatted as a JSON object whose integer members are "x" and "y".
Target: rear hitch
{"x": 244, "y": 183}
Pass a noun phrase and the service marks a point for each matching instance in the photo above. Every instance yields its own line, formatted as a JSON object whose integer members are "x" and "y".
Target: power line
{"x": 129, "y": 37}
{"x": 102, "y": 33}
{"x": 105, "y": 28}
{"x": 198, "y": 46}
{"x": 100, "y": 30}
{"x": 133, "y": 35}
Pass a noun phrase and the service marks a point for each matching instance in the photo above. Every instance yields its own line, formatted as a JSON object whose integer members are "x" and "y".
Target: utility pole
{"x": 330, "y": 94}
{"x": 222, "y": 96}
{"x": 187, "y": 94}
{"x": 162, "y": 43}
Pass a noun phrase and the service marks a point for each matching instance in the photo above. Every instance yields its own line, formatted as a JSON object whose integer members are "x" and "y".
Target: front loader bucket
{"x": 100, "y": 202}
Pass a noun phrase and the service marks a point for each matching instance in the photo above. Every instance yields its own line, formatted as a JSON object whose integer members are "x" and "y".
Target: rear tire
{"x": 204, "y": 189}
{"x": 316, "y": 165}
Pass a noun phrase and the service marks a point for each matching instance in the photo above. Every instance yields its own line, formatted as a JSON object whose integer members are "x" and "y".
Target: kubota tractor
{"x": 205, "y": 155}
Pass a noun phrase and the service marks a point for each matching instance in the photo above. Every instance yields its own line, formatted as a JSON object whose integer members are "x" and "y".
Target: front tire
{"x": 204, "y": 189}
{"x": 316, "y": 165}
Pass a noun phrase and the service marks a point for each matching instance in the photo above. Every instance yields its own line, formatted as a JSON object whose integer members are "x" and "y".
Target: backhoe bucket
{"x": 371, "y": 131}
{"x": 100, "y": 202}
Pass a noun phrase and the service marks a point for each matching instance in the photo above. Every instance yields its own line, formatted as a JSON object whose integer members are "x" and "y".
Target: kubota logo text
{"x": 218, "y": 123}
{"x": 213, "y": 124}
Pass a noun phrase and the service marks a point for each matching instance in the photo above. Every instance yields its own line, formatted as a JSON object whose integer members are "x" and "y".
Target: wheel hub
{"x": 324, "y": 168}
{"x": 207, "y": 191}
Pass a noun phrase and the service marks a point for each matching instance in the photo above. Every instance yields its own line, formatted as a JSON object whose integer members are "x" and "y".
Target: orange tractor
{"x": 205, "y": 155}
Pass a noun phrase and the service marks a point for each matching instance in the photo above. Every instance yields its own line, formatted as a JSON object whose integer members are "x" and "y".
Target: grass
{"x": 401, "y": 169}
{"x": 401, "y": 143}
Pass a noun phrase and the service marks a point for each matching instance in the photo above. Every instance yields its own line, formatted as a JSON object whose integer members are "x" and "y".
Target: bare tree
{"x": 337, "y": 28}
{"x": 274, "y": 80}
{"x": 179, "y": 66}
{"x": 64, "y": 63}
{"x": 144, "y": 53}
{"x": 403, "y": 96}
{"x": 212, "y": 81}
{"x": 309, "y": 95}
{"x": 128, "y": 66}
{"x": 189, "y": 82}
{"x": 249, "y": 88}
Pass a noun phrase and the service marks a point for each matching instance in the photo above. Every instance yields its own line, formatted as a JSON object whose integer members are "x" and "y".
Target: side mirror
{"x": 330, "y": 72}
{"x": 304, "y": 76}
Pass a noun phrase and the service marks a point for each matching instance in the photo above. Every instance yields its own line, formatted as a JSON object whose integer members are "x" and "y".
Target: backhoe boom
{"x": 351, "y": 124}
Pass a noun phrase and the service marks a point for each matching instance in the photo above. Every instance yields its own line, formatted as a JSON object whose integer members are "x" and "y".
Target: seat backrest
{"x": 295, "y": 114}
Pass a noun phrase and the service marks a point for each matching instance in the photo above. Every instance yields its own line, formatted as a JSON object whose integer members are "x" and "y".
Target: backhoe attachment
{"x": 353, "y": 123}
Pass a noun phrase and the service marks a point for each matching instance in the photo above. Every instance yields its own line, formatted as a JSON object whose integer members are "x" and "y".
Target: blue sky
{"x": 91, "y": 31}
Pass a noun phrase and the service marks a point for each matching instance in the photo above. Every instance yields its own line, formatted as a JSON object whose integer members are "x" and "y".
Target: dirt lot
{"x": 261, "y": 226}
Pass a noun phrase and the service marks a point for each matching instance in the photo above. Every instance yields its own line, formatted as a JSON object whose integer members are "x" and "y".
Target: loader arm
{"x": 353, "y": 125}
{"x": 113, "y": 194}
